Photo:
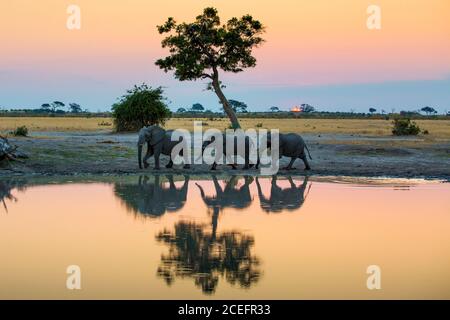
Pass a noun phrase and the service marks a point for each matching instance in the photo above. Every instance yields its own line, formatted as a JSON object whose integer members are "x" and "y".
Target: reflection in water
{"x": 205, "y": 256}
{"x": 195, "y": 252}
{"x": 229, "y": 197}
{"x": 152, "y": 198}
{"x": 291, "y": 198}
{"x": 6, "y": 187}
{"x": 318, "y": 251}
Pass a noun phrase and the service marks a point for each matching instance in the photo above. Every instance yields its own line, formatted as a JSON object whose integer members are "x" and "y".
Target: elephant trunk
{"x": 140, "y": 155}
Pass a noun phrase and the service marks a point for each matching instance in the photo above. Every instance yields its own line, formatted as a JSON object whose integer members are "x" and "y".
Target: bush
{"x": 140, "y": 106}
{"x": 259, "y": 125}
{"x": 405, "y": 127}
{"x": 21, "y": 131}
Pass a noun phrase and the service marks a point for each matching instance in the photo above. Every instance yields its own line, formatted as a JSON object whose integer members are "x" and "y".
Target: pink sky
{"x": 314, "y": 43}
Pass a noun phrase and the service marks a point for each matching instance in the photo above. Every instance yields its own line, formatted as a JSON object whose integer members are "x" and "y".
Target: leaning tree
{"x": 198, "y": 50}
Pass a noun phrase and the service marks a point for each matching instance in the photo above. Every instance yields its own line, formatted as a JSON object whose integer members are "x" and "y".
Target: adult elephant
{"x": 291, "y": 198}
{"x": 238, "y": 150}
{"x": 159, "y": 141}
{"x": 291, "y": 145}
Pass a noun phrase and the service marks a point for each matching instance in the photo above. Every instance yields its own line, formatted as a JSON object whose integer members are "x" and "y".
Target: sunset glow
{"x": 308, "y": 44}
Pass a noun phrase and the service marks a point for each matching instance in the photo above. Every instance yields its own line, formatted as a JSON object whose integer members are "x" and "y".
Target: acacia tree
{"x": 198, "y": 50}
{"x": 238, "y": 106}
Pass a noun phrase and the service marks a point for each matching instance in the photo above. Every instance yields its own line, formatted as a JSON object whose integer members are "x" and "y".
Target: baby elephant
{"x": 292, "y": 145}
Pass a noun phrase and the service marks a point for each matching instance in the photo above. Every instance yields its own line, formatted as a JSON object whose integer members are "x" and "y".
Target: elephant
{"x": 290, "y": 199}
{"x": 159, "y": 141}
{"x": 229, "y": 197}
{"x": 248, "y": 147}
{"x": 153, "y": 198}
{"x": 291, "y": 145}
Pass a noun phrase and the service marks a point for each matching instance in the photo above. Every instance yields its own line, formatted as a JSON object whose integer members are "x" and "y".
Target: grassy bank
{"x": 372, "y": 127}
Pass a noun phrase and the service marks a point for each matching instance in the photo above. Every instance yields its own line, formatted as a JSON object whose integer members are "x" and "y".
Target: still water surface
{"x": 163, "y": 237}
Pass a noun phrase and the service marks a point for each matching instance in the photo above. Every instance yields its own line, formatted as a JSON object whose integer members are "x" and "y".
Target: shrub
{"x": 21, "y": 131}
{"x": 259, "y": 125}
{"x": 405, "y": 127}
{"x": 140, "y": 106}
{"x": 425, "y": 132}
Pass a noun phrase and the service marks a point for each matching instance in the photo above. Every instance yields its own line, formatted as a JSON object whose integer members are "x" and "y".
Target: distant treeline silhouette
{"x": 211, "y": 115}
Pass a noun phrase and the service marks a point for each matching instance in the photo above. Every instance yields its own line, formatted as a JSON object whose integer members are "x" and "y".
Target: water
{"x": 156, "y": 238}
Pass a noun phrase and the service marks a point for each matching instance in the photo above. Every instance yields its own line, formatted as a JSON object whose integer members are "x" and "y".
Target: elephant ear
{"x": 156, "y": 134}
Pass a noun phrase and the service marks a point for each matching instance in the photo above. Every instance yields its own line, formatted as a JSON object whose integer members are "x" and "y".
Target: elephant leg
{"x": 257, "y": 163}
{"x": 147, "y": 156}
{"x": 157, "y": 154}
{"x": 247, "y": 162}
{"x": 171, "y": 182}
{"x": 170, "y": 164}
{"x": 289, "y": 167}
{"x": 305, "y": 161}
{"x": 291, "y": 182}
{"x": 185, "y": 160}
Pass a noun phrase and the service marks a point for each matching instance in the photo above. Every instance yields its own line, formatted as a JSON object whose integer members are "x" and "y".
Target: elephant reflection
{"x": 229, "y": 197}
{"x": 195, "y": 252}
{"x": 6, "y": 186}
{"x": 280, "y": 199}
{"x": 153, "y": 198}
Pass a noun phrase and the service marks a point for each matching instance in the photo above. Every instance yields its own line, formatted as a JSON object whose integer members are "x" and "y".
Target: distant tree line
{"x": 55, "y": 108}
{"x": 197, "y": 110}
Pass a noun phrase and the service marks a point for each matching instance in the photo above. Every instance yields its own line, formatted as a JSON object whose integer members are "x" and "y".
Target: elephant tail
{"x": 306, "y": 147}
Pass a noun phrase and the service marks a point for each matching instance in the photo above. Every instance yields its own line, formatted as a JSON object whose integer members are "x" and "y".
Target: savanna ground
{"x": 353, "y": 147}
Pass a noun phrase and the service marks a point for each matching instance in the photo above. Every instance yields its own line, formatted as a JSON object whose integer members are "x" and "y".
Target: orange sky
{"x": 308, "y": 42}
{"x": 320, "y": 251}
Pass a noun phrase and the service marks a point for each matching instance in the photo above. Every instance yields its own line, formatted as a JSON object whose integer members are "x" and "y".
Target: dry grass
{"x": 54, "y": 124}
{"x": 437, "y": 128}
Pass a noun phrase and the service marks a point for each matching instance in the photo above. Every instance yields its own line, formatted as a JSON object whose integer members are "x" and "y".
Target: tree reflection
{"x": 152, "y": 198}
{"x": 205, "y": 256}
{"x": 280, "y": 199}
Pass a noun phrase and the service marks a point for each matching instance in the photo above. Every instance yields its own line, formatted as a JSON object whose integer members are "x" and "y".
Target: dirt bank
{"x": 74, "y": 153}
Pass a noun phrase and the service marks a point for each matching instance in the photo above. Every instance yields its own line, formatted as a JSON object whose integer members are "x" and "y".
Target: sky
{"x": 317, "y": 52}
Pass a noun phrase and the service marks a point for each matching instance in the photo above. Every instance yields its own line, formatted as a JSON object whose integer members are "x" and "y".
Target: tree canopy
{"x": 197, "y": 107}
{"x": 238, "y": 106}
{"x": 307, "y": 108}
{"x": 428, "y": 110}
{"x": 198, "y": 50}
{"x": 75, "y": 107}
{"x": 274, "y": 109}
{"x": 140, "y": 106}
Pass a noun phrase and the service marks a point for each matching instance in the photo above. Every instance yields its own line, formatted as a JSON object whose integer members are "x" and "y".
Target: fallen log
{"x": 9, "y": 152}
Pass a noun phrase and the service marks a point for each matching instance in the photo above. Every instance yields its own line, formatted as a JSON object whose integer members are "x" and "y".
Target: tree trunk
{"x": 226, "y": 105}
